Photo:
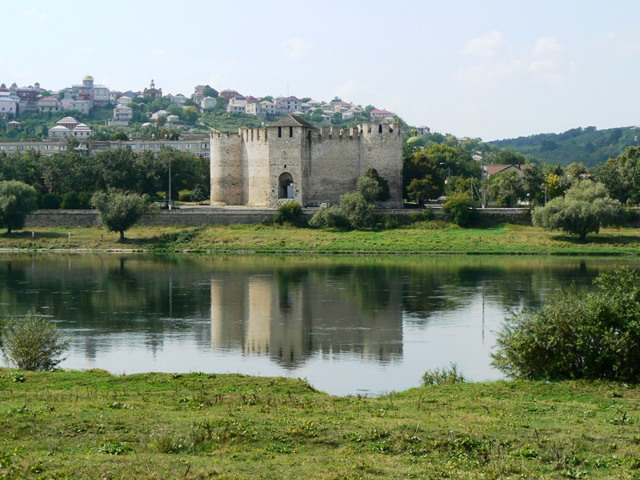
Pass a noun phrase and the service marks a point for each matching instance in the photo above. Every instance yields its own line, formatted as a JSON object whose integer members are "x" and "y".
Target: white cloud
{"x": 541, "y": 62}
{"x": 546, "y": 46}
{"x": 484, "y": 46}
{"x": 296, "y": 47}
{"x": 35, "y": 13}
{"x": 620, "y": 42}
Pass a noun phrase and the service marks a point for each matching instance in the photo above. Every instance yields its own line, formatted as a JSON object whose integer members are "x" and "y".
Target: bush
{"x": 577, "y": 334}
{"x": 185, "y": 196}
{"x": 459, "y": 209}
{"x": 289, "y": 212}
{"x": 328, "y": 217}
{"x": 49, "y": 201}
{"x": 357, "y": 211}
{"x": 70, "y": 200}
{"x": 443, "y": 376}
{"x": 33, "y": 343}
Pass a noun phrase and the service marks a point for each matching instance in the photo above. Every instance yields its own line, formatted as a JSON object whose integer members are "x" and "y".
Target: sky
{"x": 492, "y": 69}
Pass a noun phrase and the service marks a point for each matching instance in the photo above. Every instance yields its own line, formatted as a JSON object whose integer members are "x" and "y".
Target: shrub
{"x": 70, "y": 200}
{"x": 33, "y": 343}
{"x": 85, "y": 199}
{"x": 185, "y": 196}
{"x": 443, "y": 376}
{"x": 577, "y": 334}
{"x": 328, "y": 217}
{"x": 357, "y": 211}
{"x": 289, "y": 212}
{"x": 49, "y": 201}
{"x": 459, "y": 209}
{"x": 422, "y": 216}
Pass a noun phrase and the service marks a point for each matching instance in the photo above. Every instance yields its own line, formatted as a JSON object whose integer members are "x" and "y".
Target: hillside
{"x": 587, "y": 145}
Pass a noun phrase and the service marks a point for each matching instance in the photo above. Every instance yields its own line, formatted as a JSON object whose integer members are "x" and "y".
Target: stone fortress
{"x": 293, "y": 160}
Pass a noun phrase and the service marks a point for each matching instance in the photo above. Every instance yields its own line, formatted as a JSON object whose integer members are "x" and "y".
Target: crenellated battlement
{"x": 365, "y": 131}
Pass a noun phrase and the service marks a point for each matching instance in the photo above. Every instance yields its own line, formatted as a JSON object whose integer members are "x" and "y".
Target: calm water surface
{"x": 349, "y": 324}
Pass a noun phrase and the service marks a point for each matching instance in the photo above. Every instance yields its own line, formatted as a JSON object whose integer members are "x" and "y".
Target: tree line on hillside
{"x": 69, "y": 179}
{"x": 587, "y": 145}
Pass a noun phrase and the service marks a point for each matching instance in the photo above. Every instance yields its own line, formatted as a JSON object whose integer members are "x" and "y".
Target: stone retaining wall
{"x": 195, "y": 216}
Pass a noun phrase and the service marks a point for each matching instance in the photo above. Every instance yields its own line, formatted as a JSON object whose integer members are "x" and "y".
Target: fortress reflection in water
{"x": 292, "y": 317}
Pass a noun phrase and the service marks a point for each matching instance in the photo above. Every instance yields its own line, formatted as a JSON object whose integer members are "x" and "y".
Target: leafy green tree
{"x": 190, "y": 115}
{"x": 210, "y": 92}
{"x": 49, "y": 201}
{"x": 621, "y": 175}
{"x": 17, "y": 200}
{"x": 577, "y": 334}
{"x": 585, "y": 208}
{"x": 70, "y": 201}
{"x": 369, "y": 188}
{"x": 423, "y": 189}
{"x": 459, "y": 208}
{"x": 33, "y": 343}
{"x": 533, "y": 184}
{"x": 384, "y": 193}
{"x": 506, "y": 189}
{"x": 358, "y": 212}
{"x": 120, "y": 211}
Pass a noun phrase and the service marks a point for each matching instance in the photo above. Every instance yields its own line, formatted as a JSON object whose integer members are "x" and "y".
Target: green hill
{"x": 587, "y": 145}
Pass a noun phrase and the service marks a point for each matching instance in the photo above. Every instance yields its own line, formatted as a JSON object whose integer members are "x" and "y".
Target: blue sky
{"x": 491, "y": 69}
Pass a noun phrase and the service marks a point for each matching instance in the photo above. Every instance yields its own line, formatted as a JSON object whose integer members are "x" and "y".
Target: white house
{"x": 208, "y": 103}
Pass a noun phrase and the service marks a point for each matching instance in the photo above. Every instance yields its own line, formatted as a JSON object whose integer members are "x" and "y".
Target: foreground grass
{"x": 70, "y": 424}
{"x": 431, "y": 237}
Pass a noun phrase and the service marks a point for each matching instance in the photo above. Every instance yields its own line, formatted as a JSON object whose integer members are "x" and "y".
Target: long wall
{"x": 192, "y": 217}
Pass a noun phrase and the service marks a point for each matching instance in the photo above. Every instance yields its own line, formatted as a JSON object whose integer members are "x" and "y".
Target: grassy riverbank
{"x": 93, "y": 425}
{"x": 430, "y": 237}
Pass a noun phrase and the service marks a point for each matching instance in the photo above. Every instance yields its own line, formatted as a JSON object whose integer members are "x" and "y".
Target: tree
{"x": 423, "y": 189}
{"x": 120, "y": 211}
{"x": 585, "y": 208}
{"x": 369, "y": 188}
{"x": 459, "y": 209}
{"x": 358, "y": 212}
{"x": 577, "y": 334}
{"x": 210, "y": 92}
{"x": 33, "y": 343}
{"x": 17, "y": 200}
{"x": 384, "y": 193}
{"x": 533, "y": 184}
{"x": 506, "y": 188}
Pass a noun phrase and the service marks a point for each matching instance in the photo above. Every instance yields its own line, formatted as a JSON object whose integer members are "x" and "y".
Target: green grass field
{"x": 428, "y": 237}
{"x": 70, "y": 424}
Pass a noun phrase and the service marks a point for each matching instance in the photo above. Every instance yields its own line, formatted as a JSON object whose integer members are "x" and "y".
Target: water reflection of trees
{"x": 287, "y": 308}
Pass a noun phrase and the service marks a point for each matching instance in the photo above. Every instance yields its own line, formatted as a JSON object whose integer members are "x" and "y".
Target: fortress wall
{"x": 255, "y": 165}
{"x": 334, "y": 165}
{"x": 287, "y": 150}
{"x": 383, "y": 151}
{"x": 226, "y": 170}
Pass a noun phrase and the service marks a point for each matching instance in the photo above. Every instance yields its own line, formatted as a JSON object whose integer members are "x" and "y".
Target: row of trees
{"x": 71, "y": 175}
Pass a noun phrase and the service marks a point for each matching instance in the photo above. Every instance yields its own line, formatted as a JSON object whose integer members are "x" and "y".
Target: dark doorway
{"x": 286, "y": 186}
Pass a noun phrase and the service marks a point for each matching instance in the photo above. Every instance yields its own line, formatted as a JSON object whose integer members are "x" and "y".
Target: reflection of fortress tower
{"x": 291, "y": 317}
{"x": 293, "y": 160}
